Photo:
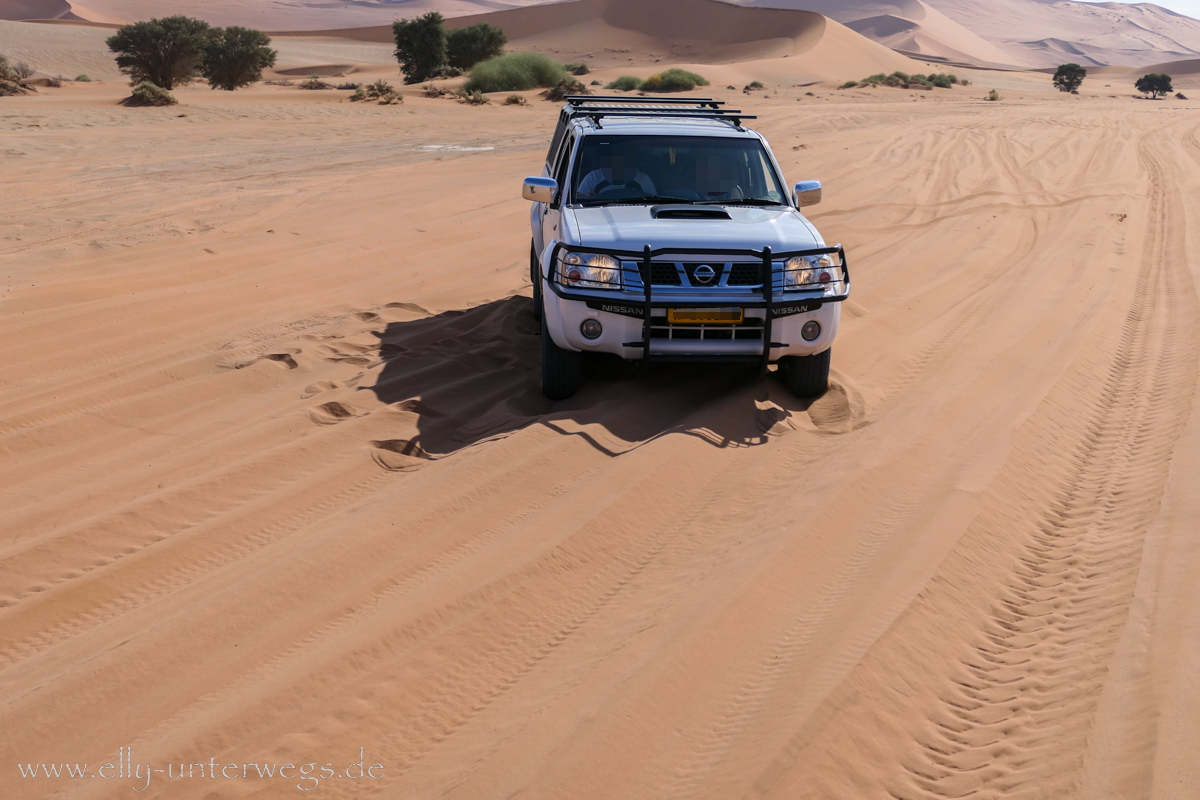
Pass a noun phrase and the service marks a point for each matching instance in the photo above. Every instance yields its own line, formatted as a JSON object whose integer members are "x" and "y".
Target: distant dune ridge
{"x": 1021, "y": 33}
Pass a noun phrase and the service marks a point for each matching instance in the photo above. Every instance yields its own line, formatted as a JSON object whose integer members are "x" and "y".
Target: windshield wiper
{"x": 744, "y": 201}
{"x": 634, "y": 201}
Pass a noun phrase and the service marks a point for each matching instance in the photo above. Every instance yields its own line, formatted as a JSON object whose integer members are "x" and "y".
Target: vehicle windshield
{"x": 626, "y": 170}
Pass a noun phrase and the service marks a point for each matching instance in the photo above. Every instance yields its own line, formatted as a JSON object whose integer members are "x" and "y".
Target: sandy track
{"x": 278, "y": 482}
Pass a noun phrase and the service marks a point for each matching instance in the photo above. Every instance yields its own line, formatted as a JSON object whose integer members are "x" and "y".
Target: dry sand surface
{"x": 278, "y": 482}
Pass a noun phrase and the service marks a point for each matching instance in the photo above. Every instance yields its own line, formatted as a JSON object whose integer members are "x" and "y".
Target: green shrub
{"x": 82, "y": 79}
{"x": 149, "y": 94}
{"x": 436, "y": 91}
{"x": 466, "y": 47}
{"x": 577, "y": 68}
{"x": 359, "y": 94}
{"x": 165, "y": 52}
{"x": 515, "y": 72}
{"x": 992, "y": 96}
{"x": 594, "y": 83}
{"x": 349, "y": 87}
{"x": 447, "y": 71}
{"x": 515, "y": 100}
{"x": 314, "y": 82}
{"x": 235, "y": 57}
{"x": 753, "y": 85}
{"x": 673, "y": 80}
{"x": 420, "y": 46}
{"x": 848, "y": 85}
{"x": 625, "y": 83}
{"x": 565, "y": 87}
{"x": 390, "y": 97}
{"x": 1180, "y": 96}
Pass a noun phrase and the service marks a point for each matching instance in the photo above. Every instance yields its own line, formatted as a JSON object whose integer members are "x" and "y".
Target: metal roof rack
{"x": 598, "y": 107}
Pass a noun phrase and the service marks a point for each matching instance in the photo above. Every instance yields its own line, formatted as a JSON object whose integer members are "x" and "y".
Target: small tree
{"x": 166, "y": 52}
{"x": 420, "y": 46}
{"x": 466, "y": 47}
{"x": 1069, "y": 78}
{"x": 1154, "y": 85}
{"x": 235, "y": 57}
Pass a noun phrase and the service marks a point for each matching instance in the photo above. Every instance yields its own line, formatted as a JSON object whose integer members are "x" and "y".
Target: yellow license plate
{"x": 729, "y": 316}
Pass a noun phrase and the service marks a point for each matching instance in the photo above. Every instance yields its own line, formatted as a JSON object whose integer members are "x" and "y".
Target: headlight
{"x": 814, "y": 273}
{"x": 589, "y": 271}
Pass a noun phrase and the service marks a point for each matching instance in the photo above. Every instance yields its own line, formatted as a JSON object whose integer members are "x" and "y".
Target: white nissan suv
{"x": 662, "y": 231}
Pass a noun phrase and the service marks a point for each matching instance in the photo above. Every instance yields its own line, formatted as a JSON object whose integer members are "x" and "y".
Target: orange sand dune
{"x": 613, "y": 32}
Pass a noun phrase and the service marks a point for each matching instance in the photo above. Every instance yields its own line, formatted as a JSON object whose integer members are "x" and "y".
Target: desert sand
{"x": 278, "y": 485}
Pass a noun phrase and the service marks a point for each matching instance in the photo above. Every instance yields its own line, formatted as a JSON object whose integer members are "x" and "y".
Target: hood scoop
{"x": 682, "y": 211}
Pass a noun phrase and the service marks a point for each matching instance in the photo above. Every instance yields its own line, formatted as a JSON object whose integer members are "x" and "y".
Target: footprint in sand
{"x": 331, "y": 413}
{"x": 316, "y": 388}
{"x": 399, "y": 455}
{"x": 283, "y": 358}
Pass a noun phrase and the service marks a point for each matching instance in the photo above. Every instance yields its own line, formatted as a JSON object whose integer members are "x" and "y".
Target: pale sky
{"x": 1189, "y": 7}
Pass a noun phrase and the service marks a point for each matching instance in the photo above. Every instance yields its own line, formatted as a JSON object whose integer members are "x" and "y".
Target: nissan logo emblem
{"x": 704, "y": 274}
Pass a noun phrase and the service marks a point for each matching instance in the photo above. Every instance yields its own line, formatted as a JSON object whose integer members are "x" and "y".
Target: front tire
{"x": 562, "y": 370}
{"x": 535, "y": 277}
{"x": 806, "y": 376}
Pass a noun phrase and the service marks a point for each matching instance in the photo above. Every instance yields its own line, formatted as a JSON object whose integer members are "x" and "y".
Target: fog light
{"x": 591, "y": 328}
{"x": 810, "y": 331}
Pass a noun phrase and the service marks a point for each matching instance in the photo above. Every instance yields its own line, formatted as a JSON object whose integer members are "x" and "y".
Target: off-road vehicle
{"x": 662, "y": 231}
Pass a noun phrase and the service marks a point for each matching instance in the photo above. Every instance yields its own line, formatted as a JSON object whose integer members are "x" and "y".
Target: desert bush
{"x": 577, "y": 68}
{"x": 594, "y": 83}
{"x": 166, "y": 52}
{"x": 1069, "y": 78}
{"x": 359, "y": 94}
{"x": 24, "y": 71}
{"x": 753, "y": 85}
{"x": 515, "y": 100}
{"x": 848, "y": 85}
{"x": 673, "y": 80}
{"x": 1154, "y": 85}
{"x": 348, "y": 87}
{"x": 941, "y": 80}
{"x": 379, "y": 88}
{"x": 11, "y": 82}
{"x": 82, "y": 79}
{"x": 992, "y": 96}
{"x": 1180, "y": 96}
{"x": 625, "y": 83}
{"x": 466, "y": 47}
{"x": 515, "y": 72}
{"x": 436, "y": 91}
{"x": 420, "y": 46}
{"x": 235, "y": 57}
{"x": 150, "y": 94}
{"x": 314, "y": 82}
{"x": 390, "y": 98}
{"x": 475, "y": 98}
{"x": 565, "y": 87}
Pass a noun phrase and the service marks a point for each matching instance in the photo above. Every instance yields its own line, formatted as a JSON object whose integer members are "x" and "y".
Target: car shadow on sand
{"x": 464, "y": 377}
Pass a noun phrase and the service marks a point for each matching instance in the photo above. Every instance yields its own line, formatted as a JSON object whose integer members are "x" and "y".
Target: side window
{"x": 560, "y": 173}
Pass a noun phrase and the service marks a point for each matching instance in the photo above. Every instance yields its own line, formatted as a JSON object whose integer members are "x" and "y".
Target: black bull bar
{"x": 766, "y": 300}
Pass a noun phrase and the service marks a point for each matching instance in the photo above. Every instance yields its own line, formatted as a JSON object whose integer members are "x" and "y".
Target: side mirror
{"x": 539, "y": 190}
{"x": 807, "y": 193}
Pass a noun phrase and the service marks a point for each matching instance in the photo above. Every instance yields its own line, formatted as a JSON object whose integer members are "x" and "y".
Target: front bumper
{"x": 635, "y": 324}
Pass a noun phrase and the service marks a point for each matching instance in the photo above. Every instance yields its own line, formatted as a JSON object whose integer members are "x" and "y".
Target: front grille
{"x": 749, "y": 329}
{"x": 664, "y": 273}
{"x": 745, "y": 274}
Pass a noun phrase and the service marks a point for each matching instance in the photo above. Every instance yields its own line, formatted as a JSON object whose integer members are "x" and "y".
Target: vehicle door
{"x": 552, "y": 212}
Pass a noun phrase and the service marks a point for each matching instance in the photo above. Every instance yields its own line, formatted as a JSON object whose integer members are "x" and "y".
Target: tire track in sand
{"x": 1034, "y": 671}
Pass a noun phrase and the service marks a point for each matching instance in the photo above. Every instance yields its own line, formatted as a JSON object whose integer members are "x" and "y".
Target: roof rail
{"x": 574, "y": 99}
{"x": 599, "y": 107}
